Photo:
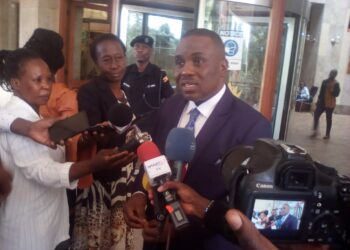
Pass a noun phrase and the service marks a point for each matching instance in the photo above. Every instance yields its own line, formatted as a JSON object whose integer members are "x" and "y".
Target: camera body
{"x": 286, "y": 195}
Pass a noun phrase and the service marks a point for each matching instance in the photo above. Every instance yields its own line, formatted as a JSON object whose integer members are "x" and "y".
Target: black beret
{"x": 142, "y": 39}
{"x": 48, "y": 44}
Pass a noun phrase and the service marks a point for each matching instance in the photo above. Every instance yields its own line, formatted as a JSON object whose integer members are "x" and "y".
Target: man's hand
{"x": 191, "y": 202}
{"x": 153, "y": 231}
{"x": 134, "y": 211}
{"x": 248, "y": 236}
{"x": 5, "y": 183}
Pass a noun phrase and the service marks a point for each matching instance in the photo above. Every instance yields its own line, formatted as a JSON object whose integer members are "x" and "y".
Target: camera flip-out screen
{"x": 279, "y": 215}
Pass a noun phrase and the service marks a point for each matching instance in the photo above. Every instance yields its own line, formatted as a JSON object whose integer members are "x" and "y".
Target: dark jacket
{"x": 231, "y": 123}
{"x": 329, "y": 91}
{"x": 146, "y": 91}
{"x": 291, "y": 223}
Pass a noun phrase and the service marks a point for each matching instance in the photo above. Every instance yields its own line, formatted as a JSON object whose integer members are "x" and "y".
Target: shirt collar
{"x": 208, "y": 106}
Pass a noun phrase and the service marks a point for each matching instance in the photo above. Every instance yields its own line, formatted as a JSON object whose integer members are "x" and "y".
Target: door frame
{"x": 66, "y": 24}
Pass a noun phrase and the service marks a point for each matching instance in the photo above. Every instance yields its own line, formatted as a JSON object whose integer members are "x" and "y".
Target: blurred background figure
{"x": 326, "y": 102}
{"x": 303, "y": 92}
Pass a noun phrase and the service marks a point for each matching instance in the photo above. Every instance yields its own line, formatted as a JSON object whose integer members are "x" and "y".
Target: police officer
{"x": 144, "y": 83}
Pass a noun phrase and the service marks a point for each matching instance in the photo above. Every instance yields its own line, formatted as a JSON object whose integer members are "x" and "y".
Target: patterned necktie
{"x": 194, "y": 113}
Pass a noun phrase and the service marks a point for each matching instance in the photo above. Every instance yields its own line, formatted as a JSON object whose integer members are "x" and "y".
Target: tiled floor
{"x": 334, "y": 152}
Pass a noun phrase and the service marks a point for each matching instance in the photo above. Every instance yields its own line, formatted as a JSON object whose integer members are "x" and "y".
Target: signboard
{"x": 233, "y": 41}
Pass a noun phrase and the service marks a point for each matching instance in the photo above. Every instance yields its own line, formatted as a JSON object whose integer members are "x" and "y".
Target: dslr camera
{"x": 289, "y": 197}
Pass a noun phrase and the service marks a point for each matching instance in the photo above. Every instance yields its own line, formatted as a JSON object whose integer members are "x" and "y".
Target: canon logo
{"x": 264, "y": 186}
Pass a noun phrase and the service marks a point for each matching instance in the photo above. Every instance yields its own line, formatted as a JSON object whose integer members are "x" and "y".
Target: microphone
{"x": 121, "y": 118}
{"x": 180, "y": 147}
{"x": 146, "y": 152}
{"x": 158, "y": 172}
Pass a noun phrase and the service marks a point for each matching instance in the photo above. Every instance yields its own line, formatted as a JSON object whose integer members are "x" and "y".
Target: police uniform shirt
{"x": 146, "y": 90}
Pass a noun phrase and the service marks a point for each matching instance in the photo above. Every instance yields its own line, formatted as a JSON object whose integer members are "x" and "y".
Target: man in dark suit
{"x": 289, "y": 222}
{"x": 223, "y": 121}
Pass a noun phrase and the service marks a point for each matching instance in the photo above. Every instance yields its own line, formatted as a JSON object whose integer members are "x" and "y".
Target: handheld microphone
{"x": 158, "y": 172}
{"x": 146, "y": 153}
{"x": 121, "y": 117}
{"x": 180, "y": 148}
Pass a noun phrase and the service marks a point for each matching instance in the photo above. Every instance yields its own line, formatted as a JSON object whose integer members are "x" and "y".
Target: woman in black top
{"x": 99, "y": 222}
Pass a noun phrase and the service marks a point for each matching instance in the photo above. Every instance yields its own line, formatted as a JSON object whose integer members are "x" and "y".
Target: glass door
{"x": 164, "y": 26}
{"x": 244, "y": 30}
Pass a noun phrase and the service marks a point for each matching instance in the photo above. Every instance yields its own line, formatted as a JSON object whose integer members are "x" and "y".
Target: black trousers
{"x": 318, "y": 112}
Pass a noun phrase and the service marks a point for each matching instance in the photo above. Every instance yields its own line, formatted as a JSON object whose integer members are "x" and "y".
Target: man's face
{"x": 34, "y": 83}
{"x": 284, "y": 210}
{"x": 333, "y": 74}
{"x": 111, "y": 60}
{"x": 200, "y": 68}
{"x": 142, "y": 52}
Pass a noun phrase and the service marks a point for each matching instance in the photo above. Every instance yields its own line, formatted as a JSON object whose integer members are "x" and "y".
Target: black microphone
{"x": 180, "y": 148}
{"x": 121, "y": 118}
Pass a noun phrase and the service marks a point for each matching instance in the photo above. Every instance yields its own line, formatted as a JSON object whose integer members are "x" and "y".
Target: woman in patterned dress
{"x": 99, "y": 221}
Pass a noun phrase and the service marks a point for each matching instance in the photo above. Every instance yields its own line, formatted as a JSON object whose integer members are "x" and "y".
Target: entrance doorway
{"x": 84, "y": 20}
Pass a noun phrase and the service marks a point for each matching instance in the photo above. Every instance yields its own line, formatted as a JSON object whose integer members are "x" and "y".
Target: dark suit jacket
{"x": 291, "y": 223}
{"x": 231, "y": 123}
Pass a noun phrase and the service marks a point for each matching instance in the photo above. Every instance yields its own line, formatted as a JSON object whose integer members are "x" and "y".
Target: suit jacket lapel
{"x": 170, "y": 119}
{"x": 175, "y": 113}
{"x": 214, "y": 123}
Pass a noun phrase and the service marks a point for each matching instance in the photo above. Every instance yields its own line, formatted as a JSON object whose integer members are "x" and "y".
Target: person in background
{"x": 326, "y": 102}
{"x": 99, "y": 222}
{"x": 288, "y": 221}
{"x": 273, "y": 219}
{"x": 262, "y": 223}
{"x": 144, "y": 83}
{"x": 218, "y": 120}
{"x": 35, "y": 213}
{"x": 303, "y": 93}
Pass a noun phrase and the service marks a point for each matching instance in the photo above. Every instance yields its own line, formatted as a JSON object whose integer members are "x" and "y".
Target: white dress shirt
{"x": 205, "y": 109}
{"x": 35, "y": 214}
